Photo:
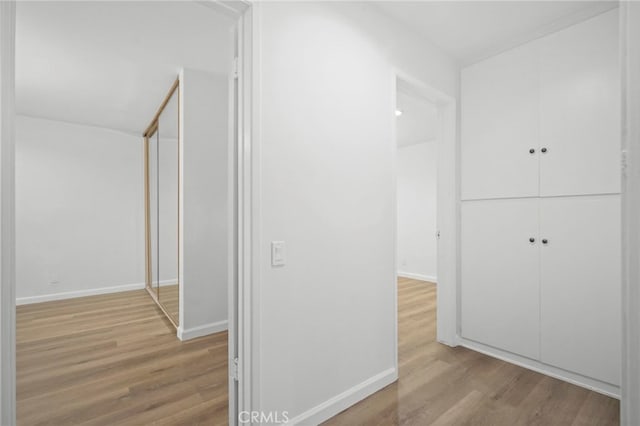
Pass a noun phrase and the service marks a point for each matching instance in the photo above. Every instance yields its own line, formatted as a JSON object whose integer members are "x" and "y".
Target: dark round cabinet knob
{"x": 531, "y": 151}
{"x": 544, "y": 150}
{"x": 532, "y": 240}
{"x": 545, "y": 241}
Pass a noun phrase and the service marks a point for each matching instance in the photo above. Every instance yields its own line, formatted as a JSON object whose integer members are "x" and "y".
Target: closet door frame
{"x": 150, "y": 132}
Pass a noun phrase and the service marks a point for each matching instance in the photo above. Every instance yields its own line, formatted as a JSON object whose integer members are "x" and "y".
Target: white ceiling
{"x": 110, "y": 64}
{"x": 417, "y": 124}
{"x": 472, "y": 30}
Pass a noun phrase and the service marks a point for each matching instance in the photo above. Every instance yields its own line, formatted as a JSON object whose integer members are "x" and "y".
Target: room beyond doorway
{"x": 417, "y": 124}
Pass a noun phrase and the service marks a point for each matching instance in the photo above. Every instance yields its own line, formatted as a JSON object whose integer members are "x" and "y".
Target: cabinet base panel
{"x": 539, "y": 367}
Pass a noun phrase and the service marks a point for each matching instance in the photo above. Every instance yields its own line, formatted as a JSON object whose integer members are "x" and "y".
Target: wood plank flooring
{"x": 115, "y": 360}
{"x": 439, "y": 385}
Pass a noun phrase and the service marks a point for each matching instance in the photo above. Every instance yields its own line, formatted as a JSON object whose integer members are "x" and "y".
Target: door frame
{"x": 242, "y": 201}
{"x": 448, "y": 207}
{"x": 242, "y": 216}
{"x": 7, "y": 215}
{"x": 630, "y": 67}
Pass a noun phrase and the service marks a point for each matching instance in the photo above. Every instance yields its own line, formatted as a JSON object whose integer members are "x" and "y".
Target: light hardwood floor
{"x": 439, "y": 385}
{"x": 115, "y": 360}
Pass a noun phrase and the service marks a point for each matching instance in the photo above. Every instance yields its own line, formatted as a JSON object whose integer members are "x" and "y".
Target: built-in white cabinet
{"x": 544, "y": 119}
{"x": 500, "y": 275}
{"x": 580, "y": 275}
{"x": 540, "y": 212}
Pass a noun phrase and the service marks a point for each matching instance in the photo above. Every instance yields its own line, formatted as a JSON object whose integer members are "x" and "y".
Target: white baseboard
{"x": 83, "y": 293}
{"x": 77, "y": 293}
{"x": 338, "y": 403}
{"x": 202, "y": 330}
{"x": 548, "y": 370}
{"x": 420, "y": 277}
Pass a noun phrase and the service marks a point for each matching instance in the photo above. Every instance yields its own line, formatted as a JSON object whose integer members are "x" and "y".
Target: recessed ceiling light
{"x": 398, "y": 113}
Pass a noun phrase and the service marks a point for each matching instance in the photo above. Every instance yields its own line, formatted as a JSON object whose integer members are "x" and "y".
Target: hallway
{"x": 439, "y": 385}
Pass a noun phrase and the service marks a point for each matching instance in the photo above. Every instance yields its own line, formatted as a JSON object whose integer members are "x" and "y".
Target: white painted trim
{"x": 84, "y": 293}
{"x": 77, "y": 293}
{"x": 630, "y": 66}
{"x": 243, "y": 331}
{"x": 548, "y": 370}
{"x": 233, "y": 132}
{"x": 249, "y": 215}
{"x": 7, "y": 215}
{"x": 245, "y": 325}
{"x": 202, "y": 330}
{"x": 448, "y": 204}
{"x": 338, "y": 403}
{"x": 420, "y": 277}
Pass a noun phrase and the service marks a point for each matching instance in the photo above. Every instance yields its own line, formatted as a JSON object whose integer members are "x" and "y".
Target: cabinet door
{"x": 500, "y": 274}
{"x": 580, "y": 282}
{"x": 580, "y": 109}
{"x": 500, "y": 126}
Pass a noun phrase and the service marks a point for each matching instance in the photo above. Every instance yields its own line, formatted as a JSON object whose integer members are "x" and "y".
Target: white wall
{"x": 419, "y": 119}
{"x": 203, "y": 251}
{"x": 327, "y": 189}
{"x": 417, "y": 244}
{"x": 79, "y": 208}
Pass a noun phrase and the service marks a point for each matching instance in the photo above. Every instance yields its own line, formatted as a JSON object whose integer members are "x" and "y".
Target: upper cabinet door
{"x": 580, "y": 109}
{"x": 500, "y": 126}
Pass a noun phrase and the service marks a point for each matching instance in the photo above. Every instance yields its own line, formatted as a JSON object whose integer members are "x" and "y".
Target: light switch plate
{"x": 277, "y": 253}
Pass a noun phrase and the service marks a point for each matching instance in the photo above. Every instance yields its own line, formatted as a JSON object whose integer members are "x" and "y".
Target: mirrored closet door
{"x": 162, "y": 186}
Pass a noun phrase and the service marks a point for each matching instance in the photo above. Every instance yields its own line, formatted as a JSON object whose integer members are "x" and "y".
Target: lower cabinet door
{"x": 500, "y": 274}
{"x": 580, "y": 285}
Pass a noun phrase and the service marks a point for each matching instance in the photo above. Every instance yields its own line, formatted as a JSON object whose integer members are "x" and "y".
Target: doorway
{"x": 417, "y": 173}
{"x": 417, "y": 133}
{"x": 233, "y": 12}
{"x": 427, "y": 196}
